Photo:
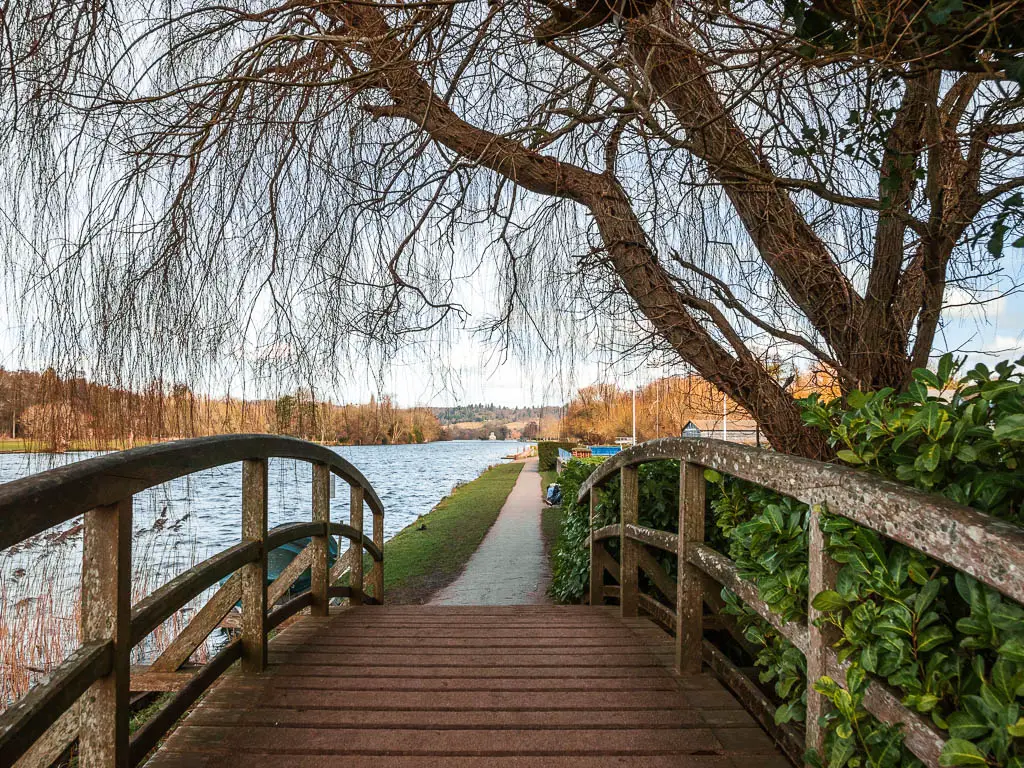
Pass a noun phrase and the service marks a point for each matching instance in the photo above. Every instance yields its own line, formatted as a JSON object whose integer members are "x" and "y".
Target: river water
{"x": 186, "y": 520}
{"x": 180, "y": 523}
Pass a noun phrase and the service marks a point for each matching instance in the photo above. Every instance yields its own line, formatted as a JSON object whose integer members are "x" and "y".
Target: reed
{"x": 40, "y": 600}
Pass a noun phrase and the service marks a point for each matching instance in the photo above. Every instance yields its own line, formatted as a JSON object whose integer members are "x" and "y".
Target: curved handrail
{"x": 102, "y": 488}
{"x": 989, "y": 549}
{"x": 985, "y": 547}
{"x": 32, "y": 504}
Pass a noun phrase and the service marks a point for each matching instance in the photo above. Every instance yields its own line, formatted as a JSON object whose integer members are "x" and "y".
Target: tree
{"x": 732, "y": 183}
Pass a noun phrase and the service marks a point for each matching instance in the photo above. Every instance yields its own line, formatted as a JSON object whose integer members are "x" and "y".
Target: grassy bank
{"x": 430, "y": 553}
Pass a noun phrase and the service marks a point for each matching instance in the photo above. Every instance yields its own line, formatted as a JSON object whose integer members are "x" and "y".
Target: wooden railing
{"x": 88, "y": 695}
{"x": 988, "y": 549}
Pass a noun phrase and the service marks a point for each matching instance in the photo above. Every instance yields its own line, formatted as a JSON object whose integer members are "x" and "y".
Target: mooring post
{"x": 629, "y": 569}
{"x": 107, "y": 615}
{"x": 690, "y": 584}
{"x": 356, "y": 547}
{"x": 254, "y": 575}
{"x": 321, "y": 543}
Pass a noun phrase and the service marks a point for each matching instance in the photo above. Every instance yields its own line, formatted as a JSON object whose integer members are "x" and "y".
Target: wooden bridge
{"x": 633, "y": 684}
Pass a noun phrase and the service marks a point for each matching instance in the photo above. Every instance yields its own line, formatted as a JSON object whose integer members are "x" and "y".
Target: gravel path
{"x": 509, "y": 567}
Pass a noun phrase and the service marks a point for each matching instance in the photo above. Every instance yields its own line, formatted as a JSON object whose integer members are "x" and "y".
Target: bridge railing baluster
{"x": 107, "y": 616}
{"x": 689, "y": 584}
{"x": 629, "y": 552}
{"x": 377, "y": 570}
{"x": 356, "y": 521}
{"x": 320, "y": 566}
{"x": 254, "y": 574}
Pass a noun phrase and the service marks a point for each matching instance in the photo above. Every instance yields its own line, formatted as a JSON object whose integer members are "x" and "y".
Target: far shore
{"x": 19, "y": 445}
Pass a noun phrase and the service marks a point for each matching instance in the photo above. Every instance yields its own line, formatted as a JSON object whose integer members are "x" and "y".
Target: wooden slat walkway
{"x": 512, "y": 687}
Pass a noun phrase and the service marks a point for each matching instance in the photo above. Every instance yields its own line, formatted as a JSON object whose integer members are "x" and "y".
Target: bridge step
{"x": 468, "y": 687}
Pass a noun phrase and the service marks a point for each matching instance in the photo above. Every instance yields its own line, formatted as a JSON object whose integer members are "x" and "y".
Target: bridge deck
{"x": 469, "y": 686}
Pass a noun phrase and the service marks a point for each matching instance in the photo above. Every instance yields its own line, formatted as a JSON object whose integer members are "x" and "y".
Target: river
{"x": 180, "y": 523}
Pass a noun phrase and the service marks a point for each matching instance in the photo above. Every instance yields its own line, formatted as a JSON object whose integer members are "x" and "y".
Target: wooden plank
{"x": 657, "y": 610}
{"x": 299, "y": 564}
{"x": 153, "y": 730}
{"x": 52, "y": 744}
{"x": 319, "y": 570}
{"x": 289, "y": 532}
{"x": 146, "y": 679}
{"x": 629, "y": 551}
{"x": 106, "y": 617}
{"x": 669, "y": 542}
{"x": 38, "y": 711}
{"x": 355, "y": 578}
{"x": 254, "y": 575}
{"x": 288, "y": 609}
{"x": 689, "y": 585}
{"x": 203, "y": 623}
{"x": 151, "y": 611}
{"x": 755, "y": 701}
{"x": 662, "y": 581}
{"x": 721, "y": 569}
{"x": 982, "y": 546}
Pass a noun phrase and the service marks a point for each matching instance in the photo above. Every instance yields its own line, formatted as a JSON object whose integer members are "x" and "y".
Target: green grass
{"x": 431, "y": 553}
{"x": 551, "y": 519}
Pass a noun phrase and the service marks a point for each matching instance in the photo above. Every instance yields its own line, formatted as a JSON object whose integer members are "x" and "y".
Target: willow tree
{"x": 728, "y": 183}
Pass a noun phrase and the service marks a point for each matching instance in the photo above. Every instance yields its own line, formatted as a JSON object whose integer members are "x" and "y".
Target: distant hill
{"x": 480, "y": 413}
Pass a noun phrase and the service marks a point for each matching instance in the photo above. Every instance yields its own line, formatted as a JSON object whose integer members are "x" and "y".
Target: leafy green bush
{"x": 547, "y": 452}
{"x": 659, "y": 508}
{"x": 952, "y": 647}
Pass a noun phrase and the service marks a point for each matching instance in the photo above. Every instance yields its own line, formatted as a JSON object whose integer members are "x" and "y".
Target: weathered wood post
{"x": 690, "y": 583}
{"x": 629, "y": 569}
{"x": 107, "y": 615}
{"x": 254, "y": 575}
{"x": 596, "y": 569}
{"x": 822, "y": 571}
{"x": 356, "y": 547}
{"x": 377, "y": 574}
{"x": 320, "y": 544}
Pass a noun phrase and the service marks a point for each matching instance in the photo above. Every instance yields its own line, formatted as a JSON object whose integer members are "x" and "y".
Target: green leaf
{"x": 829, "y": 601}
{"x": 1013, "y": 649}
{"x": 961, "y": 752}
{"x": 1010, "y": 428}
{"x": 928, "y": 457}
{"x": 849, "y": 457}
{"x": 712, "y": 476}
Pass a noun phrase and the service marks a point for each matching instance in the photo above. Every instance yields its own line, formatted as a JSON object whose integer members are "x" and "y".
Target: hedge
{"x": 547, "y": 452}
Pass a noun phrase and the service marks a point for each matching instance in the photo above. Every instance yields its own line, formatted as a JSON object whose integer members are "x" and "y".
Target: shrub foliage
{"x": 547, "y": 452}
{"x": 953, "y": 648}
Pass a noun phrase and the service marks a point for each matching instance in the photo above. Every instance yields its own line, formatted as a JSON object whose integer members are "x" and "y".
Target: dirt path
{"x": 510, "y": 567}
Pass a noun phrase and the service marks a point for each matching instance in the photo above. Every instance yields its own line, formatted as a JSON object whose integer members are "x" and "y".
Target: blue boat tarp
{"x": 604, "y": 450}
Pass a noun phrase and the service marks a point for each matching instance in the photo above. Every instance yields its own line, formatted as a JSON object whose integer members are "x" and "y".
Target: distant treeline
{"x": 603, "y": 412}
{"x": 54, "y": 413}
{"x": 490, "y": 413}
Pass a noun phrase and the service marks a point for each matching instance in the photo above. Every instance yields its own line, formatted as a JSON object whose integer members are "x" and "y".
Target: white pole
{"x": 725, "y": 419}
